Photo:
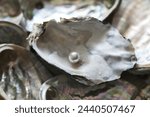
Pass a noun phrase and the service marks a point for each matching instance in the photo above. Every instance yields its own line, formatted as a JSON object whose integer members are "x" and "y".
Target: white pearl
{"x": 74, "y": 57}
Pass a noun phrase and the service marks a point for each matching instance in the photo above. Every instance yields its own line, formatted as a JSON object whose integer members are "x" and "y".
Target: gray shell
{"x": 12, "y": 33}
{"x": 103, "y": 53}
{"x": 58, "y": 10}
{"x": 9, "y": 8}
{"x": 133, "y": 22}
{"x": 21, "y": 74}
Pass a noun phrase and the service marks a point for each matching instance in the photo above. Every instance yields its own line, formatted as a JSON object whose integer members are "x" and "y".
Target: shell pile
{"x": 64, "y": 49}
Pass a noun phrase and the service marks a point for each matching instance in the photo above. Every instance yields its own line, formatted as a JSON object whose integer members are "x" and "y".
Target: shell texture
{"x": 58, "y": 10}
{"x": 9, "y": 8}
{"x": 132, "y": 20}
{"x": 21, "y": 74}
{"x": 73, "y": 56}
{"x": 61, "y": 87}
{"x": 12, "y": 33}
{"x": 104, "y": 53}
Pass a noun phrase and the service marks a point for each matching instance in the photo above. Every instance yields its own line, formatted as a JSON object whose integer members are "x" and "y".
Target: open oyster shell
{"x": 54, "y": 9}
{"x": 21, "y": 74}
{"x": 132, "y": 20}
{"x": 83, "y": 47}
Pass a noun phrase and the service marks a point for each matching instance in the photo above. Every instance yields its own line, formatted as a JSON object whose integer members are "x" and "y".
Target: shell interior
{"x": 99, "y": 9}
{"x": 21, "y": 74}
{"x": 132, "y": 20}
{"x": 104, "y": 53}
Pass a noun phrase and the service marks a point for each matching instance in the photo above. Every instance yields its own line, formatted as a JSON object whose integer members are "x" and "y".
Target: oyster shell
{"x": 132, "y": 20}
{"x": 16, "y": 11}
{"x": 21, "y": 74}
{"x": 145, "y": 93}
{"x": 99, "y": 53}
{"x": 27, "y": 7}
{"x": 66, "y": 87}
{"x": 61, "y": 87}
{"x": 18, "y": 20}
{"x": 3, "y": 96}
{"x": 115, "y": 90}
{"x": 10, "y": 11}
{"x": 99, "y": 9}
{"x": 9, "y": 8}
{"x": 11, "y": 33}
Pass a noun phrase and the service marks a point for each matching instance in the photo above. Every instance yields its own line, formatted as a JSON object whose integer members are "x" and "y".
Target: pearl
{"x": 74, "y": 57}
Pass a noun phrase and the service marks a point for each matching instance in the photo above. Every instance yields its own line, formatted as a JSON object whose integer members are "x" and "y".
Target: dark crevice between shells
{"x": 110, "y": 17}
{"x": 139, "y": 81}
